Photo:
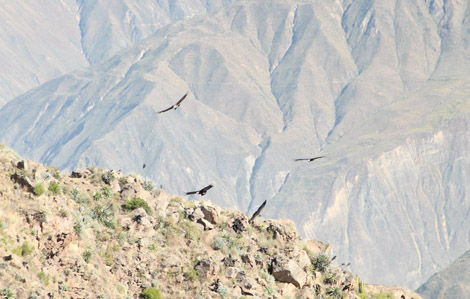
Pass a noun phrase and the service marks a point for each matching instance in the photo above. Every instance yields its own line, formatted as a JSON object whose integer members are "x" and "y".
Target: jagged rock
{"x": 229, "y": 261}
{"x": 204, "y": 268}
{"x": 128, "y": 192}
{"x": 314, "y": 247}
{"x": 231, "y": 272}
{"x": 197, "y": 214}
{"x": 81, "y": 173}
{"x": 248, "y": 259}
{"x": 54, "y": 245}
{"x": 303, "y": 260}
{"x": 140, "y": 216}
{"x": 305, "y": 293}
{"x": 284, "y": 230}
{"x": 126, "y": 223}
{"x": 210, "y": 214}
{"x": 286, "y": 270}
{"x": 206, "y": 224}
{"x": 288, "y": 290}
{"x": 23, "y": 181}
{"x": 23, "y": 164}
{"x": 238, "y": 226}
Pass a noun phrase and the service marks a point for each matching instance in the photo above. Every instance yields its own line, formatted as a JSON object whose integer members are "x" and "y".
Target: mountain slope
{"x": 450, "y": 282}
{"x": 271, "y": 81}
{"x": 43, "y": 40}
{"x": 100, "y": 233}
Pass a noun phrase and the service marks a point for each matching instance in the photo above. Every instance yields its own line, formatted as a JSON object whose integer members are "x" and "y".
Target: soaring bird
{"x": 202, "y": 192}
{"x": 309, "y": 159}
{"x": 175, "y": 105}
{"x": 256, "y": 214}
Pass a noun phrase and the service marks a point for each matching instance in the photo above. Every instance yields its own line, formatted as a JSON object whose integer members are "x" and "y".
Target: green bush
{"x": 330, "y": 278}
{"x": 6, "y": 292}
{"x": 136, "y": 203}
{"x": 43, "y": 277}
{"x": 148, "y": 185}
{"x": 54, "y": 188}
{"x": 321, "y": 262}
{"x": 151, "y": 293}
{"x": 103, "y": 214}
{"x": 107, "y": 192}
{"x": 87, "y": 255}
{"x": 39, "y": 189}
{"x": 24, "y": 250}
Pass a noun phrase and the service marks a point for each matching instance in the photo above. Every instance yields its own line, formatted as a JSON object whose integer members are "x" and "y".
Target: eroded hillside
{"x": 102, "y": 234}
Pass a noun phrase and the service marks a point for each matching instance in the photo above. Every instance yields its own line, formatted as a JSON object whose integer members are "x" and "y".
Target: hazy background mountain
{"x": 380, "y": 89}
{"x": 41, "y": 40}
{"x": 451, "y": 282}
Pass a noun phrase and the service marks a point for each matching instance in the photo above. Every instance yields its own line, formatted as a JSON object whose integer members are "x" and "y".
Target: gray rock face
{"x": 451, "y": 282}
{"x": 380, "y": 89}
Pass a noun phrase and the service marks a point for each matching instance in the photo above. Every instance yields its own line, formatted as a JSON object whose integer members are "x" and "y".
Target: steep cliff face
{"x": 380, "y": 89}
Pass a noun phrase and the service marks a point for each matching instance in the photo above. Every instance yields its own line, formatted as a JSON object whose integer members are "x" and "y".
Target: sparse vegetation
{"x": 330, "y": 278}
{"x": 54, "y": 188}
{"x": 43, "y": 277}
{"x": 106, "y": 192}
{"x": 151, "y": 293}
{"x": 135, "y": 203}
{"x": 104, "y": 215}
{"x": 24, "y": 250}
{"x": 194, "y": 255}
{"x": 321, "y": 262}
{"x": 148, "y": 185}
{"x": 7, "y": 293}
{"x": 39, "y": 189}
{"x": 87, "y": 255}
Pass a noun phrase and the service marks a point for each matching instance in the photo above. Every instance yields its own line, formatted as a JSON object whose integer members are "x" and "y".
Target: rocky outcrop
{"x": 85, "y": 240}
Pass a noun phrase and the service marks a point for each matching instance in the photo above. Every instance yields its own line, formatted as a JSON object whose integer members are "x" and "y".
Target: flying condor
{"x": 309, "y": 159}
{"x": 202, "y": 192}
{"x": 256, "y": 214}
{"x": 175, "y": 105}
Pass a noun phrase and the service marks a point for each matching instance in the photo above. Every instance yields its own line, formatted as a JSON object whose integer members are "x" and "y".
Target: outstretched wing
{"x": 206, "y": 188}
{"x": 192, "y": 192}
{"x": 313, "y": 159}
{"x": 166, "y": 109}
{"x": 301, "y": 159}
{"x": 181, "y": 100}
{"x": 256, "y": 214}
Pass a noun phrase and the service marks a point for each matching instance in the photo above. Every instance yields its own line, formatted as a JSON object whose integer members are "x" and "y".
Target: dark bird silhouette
{"x": 143, "y": 166}
{"x": 175, "y": 105}
{"x": 256, "y": 214}
{"x": 202, "y": 192}
{"x": 309, "y": 159}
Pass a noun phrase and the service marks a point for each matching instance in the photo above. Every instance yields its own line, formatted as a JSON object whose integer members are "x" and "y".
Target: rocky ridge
{"x": 100, "y": 233}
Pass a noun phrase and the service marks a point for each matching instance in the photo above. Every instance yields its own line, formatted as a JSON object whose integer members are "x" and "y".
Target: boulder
{"x": 287, "y": 270}
{"x": 204, "y": 268}
{"x": 210, "y": 214}
{"x": 313, "y": 247}
{"x": 248, "y": 259}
